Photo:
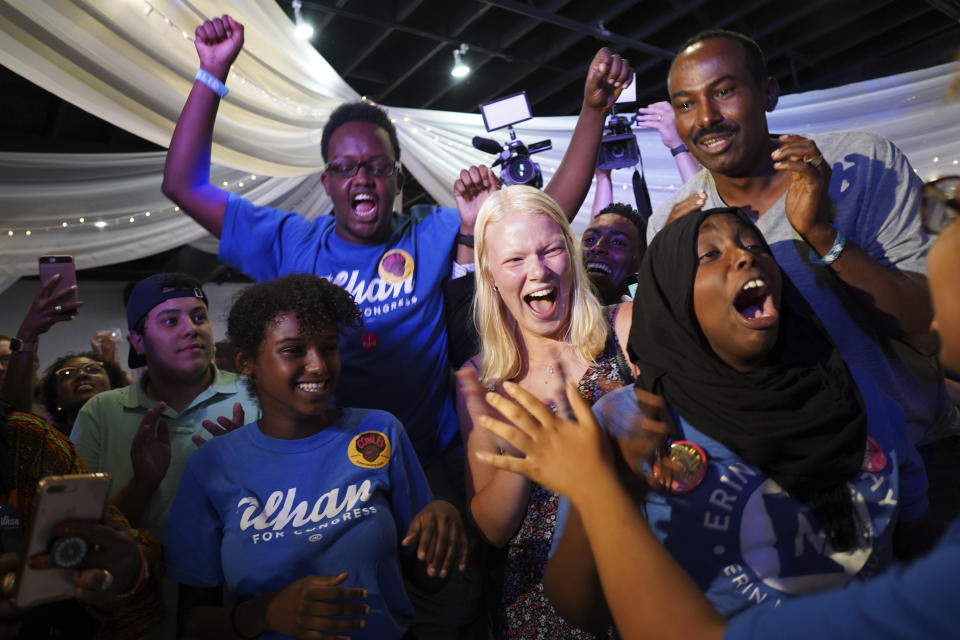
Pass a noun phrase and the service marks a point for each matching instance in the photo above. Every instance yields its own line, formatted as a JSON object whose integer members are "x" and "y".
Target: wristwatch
{"x": 19, "y": 346}
{"x": 465, "y": 240}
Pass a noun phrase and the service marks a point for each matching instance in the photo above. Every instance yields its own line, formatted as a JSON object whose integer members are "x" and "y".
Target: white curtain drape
{"x": 131, "y": 62}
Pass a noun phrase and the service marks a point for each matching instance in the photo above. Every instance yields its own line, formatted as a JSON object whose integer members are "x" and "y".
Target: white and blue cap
{"x": 150, "y": 292}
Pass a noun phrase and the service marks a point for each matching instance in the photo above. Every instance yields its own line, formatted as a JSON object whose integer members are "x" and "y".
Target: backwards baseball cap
{"x": 150, "y": 292}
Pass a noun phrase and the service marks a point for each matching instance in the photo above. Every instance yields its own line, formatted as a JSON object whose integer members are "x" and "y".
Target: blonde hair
{"x": 586, "y": 328}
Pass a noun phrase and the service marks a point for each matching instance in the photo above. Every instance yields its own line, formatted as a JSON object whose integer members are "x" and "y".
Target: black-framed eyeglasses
{"x": 91, "y": 369}
{"x": 348, "y": 169}
{"x": 940, "y": 204}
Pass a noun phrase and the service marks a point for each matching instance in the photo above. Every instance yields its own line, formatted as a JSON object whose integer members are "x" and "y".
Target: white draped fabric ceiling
{"x": 132, "y": 62}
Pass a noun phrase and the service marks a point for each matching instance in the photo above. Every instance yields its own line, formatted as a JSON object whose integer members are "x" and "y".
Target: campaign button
{"x": 686, "y": 468}
{"x": 369, "y": 341}
{"x": 874, "y": 459}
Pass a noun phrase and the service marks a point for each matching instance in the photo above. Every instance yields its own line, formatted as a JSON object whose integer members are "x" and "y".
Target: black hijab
{"x": 798, "y": 418}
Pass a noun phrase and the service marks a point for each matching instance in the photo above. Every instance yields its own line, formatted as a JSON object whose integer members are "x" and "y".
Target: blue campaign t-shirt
{"x": 256, "y": 513}
{"x": 918, "y": 600}
{"x": 397, "y": 361}
{"x": 745, "y": 541}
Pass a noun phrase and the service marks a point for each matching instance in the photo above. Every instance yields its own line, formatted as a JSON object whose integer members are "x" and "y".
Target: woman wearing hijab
{"x": 788, "y": 472}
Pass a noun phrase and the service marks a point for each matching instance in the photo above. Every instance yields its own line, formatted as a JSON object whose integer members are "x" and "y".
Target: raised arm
{"x": 497, "y": 499}
{"x": 186, "y": 175}
{"x": 602, "y": 193}
{"x": 47, "y": 309}
{"x": 659, "y": 116}
{"x": 607, "y": 76}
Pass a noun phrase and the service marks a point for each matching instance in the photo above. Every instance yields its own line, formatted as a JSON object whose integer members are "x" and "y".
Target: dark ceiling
{"x": 400, "y": 52}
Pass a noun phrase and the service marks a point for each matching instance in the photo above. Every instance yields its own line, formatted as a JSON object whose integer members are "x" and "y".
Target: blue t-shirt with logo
{"x": 256, "y": 513}
{"x": 745, "y": 541}
{"x": 397, "y": 361}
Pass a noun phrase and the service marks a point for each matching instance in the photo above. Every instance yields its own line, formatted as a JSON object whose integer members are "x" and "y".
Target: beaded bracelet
{"x": 211, "y": 81}
{"x": 838, "y": 245}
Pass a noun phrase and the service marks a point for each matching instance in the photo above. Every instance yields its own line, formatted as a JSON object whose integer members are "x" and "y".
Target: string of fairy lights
{"x": 95, "y": 221}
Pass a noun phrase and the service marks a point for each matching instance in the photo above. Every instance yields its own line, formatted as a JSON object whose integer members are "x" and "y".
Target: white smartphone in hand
{"x": 74, "y": 497}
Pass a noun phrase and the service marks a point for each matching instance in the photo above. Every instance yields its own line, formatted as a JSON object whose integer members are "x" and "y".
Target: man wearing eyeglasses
{"x": 858, "y": 256}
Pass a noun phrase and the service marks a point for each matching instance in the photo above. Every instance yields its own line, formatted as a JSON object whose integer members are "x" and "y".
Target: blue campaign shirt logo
{"x": 786, "y": 549}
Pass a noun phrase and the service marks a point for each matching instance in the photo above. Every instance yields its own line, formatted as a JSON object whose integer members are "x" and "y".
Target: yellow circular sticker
{"x": 370, "y": 450}
{"x": 395, "y": 266}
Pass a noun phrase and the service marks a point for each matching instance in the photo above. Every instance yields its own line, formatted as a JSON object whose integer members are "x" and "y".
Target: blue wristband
{"x": 215, "y": 85}
{"x": 838, "y": 245}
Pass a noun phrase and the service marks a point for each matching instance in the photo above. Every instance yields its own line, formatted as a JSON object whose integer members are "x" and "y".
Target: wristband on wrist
{"x": 465, "y": 240}
{"x": 18, "y": 345}
{"x": 839, "y": 243}
{"x": 677, "y": 150}
{"x": 211, "y": 81}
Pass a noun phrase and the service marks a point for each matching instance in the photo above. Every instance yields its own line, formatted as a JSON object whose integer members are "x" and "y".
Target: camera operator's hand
{"x": 218, "y": 43}
{"x": 607, "y": 77}
{"x": 471, "y": 190}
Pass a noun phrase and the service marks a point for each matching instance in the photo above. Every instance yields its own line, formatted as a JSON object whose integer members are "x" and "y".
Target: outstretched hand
{"x": 563, "y": 455}
{"x": 607, "y": 77}
{"x": 471, "y": 190}
{"x": 567, "y": 455}
{"x": 218, "y": 43}
{"x": 222, "y": 426}
{"x": 314, "y": 606}
{"x": 442, "y": 537}
{"x": 150, "y": 449}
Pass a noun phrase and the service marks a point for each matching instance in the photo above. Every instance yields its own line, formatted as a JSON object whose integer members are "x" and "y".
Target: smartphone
{"x": 62, "y": 266}
{"x": 75, "y": 497}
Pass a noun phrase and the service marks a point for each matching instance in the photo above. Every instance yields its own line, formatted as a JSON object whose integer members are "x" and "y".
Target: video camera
{"x": 514, "y": 156}
{"x": 618, "y": 147}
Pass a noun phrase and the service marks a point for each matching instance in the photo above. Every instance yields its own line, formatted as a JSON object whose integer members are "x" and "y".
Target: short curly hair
{"x": 358, "y": 112}
{"x": 48, "y": 385}
{"x": 317, "y": 302}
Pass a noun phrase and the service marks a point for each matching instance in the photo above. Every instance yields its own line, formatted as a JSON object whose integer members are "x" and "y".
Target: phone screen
{"x": 62, "y": 266}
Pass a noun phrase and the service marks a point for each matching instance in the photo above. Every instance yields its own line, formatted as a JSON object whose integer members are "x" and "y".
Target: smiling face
{"x": 362, "y": 204}
{"x": 530, "y": 267}
{"x": 611, "y": 252}
{"x": 177, "y": 340}
{"x": 295, "y": 375}
{"x": 87, "y": 378}
{"x": 719, "y": 107}
{"x": 736, "y": 292}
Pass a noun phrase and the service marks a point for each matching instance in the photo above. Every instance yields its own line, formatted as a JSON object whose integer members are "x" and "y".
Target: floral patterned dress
{"x": 528, "y": 614}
